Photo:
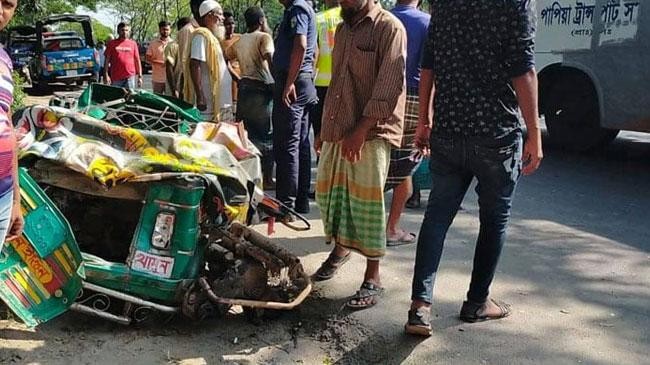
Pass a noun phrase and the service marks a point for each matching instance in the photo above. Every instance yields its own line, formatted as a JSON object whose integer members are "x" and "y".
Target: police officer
{"x": 294, "y": 96}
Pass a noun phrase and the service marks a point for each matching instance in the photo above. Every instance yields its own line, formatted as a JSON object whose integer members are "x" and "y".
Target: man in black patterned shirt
{"x": 478, "y": 62}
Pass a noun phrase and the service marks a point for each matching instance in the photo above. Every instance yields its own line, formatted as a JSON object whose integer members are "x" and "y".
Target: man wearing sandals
{"x": 403, "y": 161}
{"x": 362, "y": 118}
{"x": 478, "y": 61}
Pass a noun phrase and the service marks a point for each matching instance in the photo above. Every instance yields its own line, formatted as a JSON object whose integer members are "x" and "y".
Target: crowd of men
{"x": 368, "y": 80}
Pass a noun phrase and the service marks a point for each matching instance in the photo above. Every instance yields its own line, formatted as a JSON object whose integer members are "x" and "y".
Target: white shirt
{"x": 198, "y": 52}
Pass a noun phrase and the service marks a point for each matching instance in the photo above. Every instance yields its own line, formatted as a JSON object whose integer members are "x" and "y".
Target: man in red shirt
{"x": 122, "y": 62}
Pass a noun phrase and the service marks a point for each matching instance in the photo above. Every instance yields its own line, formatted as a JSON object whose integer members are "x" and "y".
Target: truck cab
{"x": 63, "y": 57}
{"x": 21, "y": 43}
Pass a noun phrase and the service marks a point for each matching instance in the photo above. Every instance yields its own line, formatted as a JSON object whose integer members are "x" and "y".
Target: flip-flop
{"x": 414, "y": 202}
{"x": 475, "y": 312}
{"x": 367, "y": 290}
{"x": 401, "y": 238}
{"x": 330, "y": 266}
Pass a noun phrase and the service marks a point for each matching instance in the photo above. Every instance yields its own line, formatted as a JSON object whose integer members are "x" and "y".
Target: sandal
{"x": 475, "y": 312}
{"x": 368, "y": 290}
{"x": 329, "y": 267}
{"x": 414, "y": 201}
{"x": 419, "y": 322}
{"x": 401, "y": 238}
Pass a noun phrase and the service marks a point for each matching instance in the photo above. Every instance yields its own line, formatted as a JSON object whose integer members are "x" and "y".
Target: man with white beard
{"x": 209, "y": 84}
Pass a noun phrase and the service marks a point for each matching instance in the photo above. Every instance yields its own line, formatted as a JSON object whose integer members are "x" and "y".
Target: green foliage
{"x": 100, "y": 31}
{"x": 19, "y": 93}
{"x": 144, "y": 15}
{"x": 29, "y": 11}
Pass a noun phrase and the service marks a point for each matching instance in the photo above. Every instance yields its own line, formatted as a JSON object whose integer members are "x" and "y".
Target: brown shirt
{"x": 368, "y": 78}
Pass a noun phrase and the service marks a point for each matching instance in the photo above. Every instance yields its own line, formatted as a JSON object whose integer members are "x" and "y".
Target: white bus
{"x": 593, "y": 60}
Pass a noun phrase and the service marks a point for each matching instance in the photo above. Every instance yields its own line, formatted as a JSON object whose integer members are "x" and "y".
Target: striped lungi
{"x": 402, "y": 161}
{"x": 351, "y": 199}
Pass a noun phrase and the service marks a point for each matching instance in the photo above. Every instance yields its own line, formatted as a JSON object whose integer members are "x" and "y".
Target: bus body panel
{"x": 609, "y": 40}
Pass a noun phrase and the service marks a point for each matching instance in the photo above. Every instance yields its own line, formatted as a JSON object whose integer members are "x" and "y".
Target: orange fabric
{"x": 156, "y": 57}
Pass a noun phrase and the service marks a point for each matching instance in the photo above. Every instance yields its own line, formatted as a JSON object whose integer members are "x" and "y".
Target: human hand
{"x": 289, "y": 94}
{"x": 318, "y": 143}
{"x": 17, "y": 222}
{"x": 140, "y": 81}
{"x": 201, "y": 105}
{"x": 107, "y": 80}
{"x": 353, "y": 144}
{"x": 422, "y": 137}
{"x": 532, "y": 154}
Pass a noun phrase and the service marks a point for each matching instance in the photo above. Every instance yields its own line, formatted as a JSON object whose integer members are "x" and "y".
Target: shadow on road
{"x": 605, "y": 192}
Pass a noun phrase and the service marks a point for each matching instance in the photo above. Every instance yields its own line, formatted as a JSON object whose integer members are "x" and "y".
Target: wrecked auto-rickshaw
{"x": 128, "y": 222}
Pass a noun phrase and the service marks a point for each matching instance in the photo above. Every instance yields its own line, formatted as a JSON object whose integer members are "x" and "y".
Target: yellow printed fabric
{"x": 326, "y": 23}
{"x": 351, "y": 197}
{"x": 112, "y": 155}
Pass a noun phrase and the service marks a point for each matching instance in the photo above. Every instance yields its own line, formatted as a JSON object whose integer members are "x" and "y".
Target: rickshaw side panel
{"x": 122, "y": 278}
{"x": 166, "y": 251}
{"x": 40, "y": 272}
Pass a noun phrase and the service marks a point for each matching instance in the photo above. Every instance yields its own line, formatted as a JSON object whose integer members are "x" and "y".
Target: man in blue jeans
{"x": 294, "y": 96}
{"x": 481, "y": 70}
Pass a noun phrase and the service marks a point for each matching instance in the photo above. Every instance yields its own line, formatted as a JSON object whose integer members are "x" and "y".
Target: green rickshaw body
{"x": 166, "y": 252}
{"x": 142, "y": 216}
{"x": 41, "y": 272}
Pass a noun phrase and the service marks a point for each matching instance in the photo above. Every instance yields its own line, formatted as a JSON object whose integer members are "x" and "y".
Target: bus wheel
{"x": 572, "y": 114}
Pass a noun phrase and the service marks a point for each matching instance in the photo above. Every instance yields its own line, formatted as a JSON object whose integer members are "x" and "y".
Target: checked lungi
{"x": 351, "y": 198}
{"x": 402, "y": 161}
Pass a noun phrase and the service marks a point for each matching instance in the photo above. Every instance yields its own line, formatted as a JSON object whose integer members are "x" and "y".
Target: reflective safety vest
{"x": 326, "y": 23}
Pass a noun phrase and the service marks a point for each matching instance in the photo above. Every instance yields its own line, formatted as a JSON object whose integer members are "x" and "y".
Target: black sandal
{"x": 329, "y": 267}
{"x": 414, "y": 202}
{"x": 368, "y": 290}
{"x": 473, "y": 312}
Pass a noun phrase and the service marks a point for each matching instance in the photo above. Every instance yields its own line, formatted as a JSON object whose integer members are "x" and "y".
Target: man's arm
{"x": 300, "y": 23}
{"x": 230, "y": 54}
{"x": 426, "y": 93}
{"x": 138, "y": 65}
{"x": 526, "y": 89}
{"x": 149, "y": 54}
{"x": 519, "y": 57}
{"x": 170, "y": 61}
{"x": 169, "y": 72}
{"x": 195, "y": 75}
{"x": 389, "y": 86}
{"x": 297, "y": 55}
{"x": 391, "y": 80}
{"x": 107, "y": 65}
{"x": 316, "y": 57}
{"x": 269, "y": 58}
{"x": 267, "y": 49}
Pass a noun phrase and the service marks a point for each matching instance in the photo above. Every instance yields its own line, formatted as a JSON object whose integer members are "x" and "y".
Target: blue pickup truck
{"x": 63, "y": 57}
{"x": 20, "y": 42}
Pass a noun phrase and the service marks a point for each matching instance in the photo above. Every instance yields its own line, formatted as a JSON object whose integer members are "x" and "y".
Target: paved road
{"x": 576, "y": 268}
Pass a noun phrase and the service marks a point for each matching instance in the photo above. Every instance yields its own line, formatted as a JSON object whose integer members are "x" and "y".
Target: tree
{"x": 100, "y": 31}
{"x": 29, "y": 11}
{"x": 143, "y": 15}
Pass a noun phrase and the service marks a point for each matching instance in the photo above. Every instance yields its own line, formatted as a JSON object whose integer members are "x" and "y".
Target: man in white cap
{"x": 208, "y": 86}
